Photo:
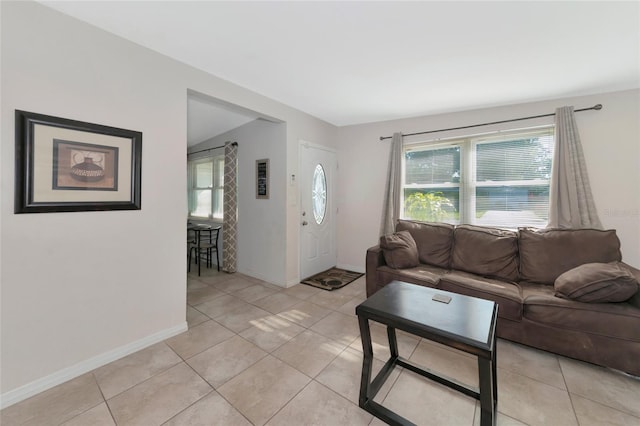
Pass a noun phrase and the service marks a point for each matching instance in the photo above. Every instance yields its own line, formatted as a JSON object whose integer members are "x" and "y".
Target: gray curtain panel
{"x": 571, "y": 203}
{"x": 229, "y": 258}
{"x": 391, "y": 206}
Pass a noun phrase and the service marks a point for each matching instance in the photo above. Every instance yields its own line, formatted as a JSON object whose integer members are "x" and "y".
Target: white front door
{"x": 317, "y": 209}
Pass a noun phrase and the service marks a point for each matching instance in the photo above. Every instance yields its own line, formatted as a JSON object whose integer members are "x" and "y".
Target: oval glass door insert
{"x": 319, "y": 194}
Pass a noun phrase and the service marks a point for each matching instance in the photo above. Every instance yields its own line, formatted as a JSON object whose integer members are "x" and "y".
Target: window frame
{"x": 468, "y": 183}
{"x": 216, "y": 209}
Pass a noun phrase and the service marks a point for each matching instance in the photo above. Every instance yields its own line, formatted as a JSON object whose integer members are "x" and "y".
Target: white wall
{"x": 76, "y": 286}
{"x": 261, "y": 224}
{"x": 79, "y": 289}
{"x": 610, "y": 138}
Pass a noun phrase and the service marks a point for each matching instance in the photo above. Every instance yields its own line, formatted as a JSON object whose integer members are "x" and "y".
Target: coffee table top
{"x": 464, "y": 319}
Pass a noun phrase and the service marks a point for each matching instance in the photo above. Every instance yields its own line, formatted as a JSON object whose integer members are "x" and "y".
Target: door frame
{"x": 302, "y": 144}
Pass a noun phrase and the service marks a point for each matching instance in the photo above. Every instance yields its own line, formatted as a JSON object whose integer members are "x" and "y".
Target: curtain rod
{"x": 211, "y": 149}
{"x": 595, "y": 107}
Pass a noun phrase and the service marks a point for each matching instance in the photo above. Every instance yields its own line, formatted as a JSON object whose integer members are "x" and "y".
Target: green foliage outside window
{"x": 428, "y": 207}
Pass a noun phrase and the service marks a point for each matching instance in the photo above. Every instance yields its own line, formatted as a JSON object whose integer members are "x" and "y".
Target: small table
{"x": 465, "y": 323}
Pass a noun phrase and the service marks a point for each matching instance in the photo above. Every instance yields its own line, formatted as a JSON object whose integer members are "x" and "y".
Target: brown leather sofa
{"x": 548, "y": 284}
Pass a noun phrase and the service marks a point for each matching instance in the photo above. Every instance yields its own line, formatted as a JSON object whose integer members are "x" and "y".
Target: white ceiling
{"x": 357, "y": 62}
{"x": 206, "y": 119}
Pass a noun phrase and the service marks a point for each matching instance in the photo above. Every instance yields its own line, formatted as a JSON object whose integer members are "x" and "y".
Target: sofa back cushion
{"x": 545, "y": 254}
{"x": 399, "y": 250}
{"x": 489, "y": 252}
{"x": 434, "y": 241}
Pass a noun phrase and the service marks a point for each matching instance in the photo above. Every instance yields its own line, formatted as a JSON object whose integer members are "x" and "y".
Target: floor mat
{"x": 332, "y": 279}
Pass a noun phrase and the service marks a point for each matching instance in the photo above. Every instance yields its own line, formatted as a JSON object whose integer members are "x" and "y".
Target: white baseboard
{"x": 66, "y": 374}
{"x": 259, "y": 276}
{"x": 353, "y": 268}
{"x": 291, "y": 283}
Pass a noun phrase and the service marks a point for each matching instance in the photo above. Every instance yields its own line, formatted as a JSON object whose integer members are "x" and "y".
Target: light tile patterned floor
{"x": 256, "y": 354}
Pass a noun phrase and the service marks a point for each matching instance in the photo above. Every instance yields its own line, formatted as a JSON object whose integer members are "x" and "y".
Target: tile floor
{"x": 257, "y": 354}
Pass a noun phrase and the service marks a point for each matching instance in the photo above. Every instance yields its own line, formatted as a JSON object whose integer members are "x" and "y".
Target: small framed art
{"x": 262, "y": 178}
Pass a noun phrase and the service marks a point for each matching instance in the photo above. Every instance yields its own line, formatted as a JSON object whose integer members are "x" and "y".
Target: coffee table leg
{"x": 494, "y": 367}
{"x": 367, "y": 362}
{"x": 487, "y": 389}
{"x": 393, "y": 342}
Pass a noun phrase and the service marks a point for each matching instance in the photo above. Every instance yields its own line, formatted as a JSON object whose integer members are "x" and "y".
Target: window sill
{"x": 205, "y": 221}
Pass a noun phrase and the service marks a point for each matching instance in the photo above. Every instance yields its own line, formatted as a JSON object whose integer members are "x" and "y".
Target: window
{"x": 319, "y": 194}
{"x": 206, "y": 187}
{"x": 498, "y": 180}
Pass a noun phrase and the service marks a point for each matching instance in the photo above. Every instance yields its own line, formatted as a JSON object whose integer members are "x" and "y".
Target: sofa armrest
{"x": 634, "y": 271}
{"x": 635, "y": 300}
{"x": 374, "y": 259}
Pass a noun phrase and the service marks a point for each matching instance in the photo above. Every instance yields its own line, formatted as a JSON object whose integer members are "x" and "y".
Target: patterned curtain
{"x": 391, "y": 206}
{"x": 229, "y": 259}
{"x": 571, "y": 203}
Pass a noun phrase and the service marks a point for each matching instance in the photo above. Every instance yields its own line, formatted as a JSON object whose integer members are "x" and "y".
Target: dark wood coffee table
{"x": 465, "y": 323}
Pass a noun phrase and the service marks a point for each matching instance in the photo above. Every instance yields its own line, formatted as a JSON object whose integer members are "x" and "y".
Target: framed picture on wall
{"x": 262, "y": 178}
{"x": 65, "y": 165}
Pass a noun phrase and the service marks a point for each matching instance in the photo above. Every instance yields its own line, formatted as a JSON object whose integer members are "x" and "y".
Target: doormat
{"x": 332, "y": 279}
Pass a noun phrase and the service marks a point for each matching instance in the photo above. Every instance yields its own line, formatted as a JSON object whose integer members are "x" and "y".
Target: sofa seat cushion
{"x": 425, "y": 275}
{"x": 545, "y": 254}
{"x": 506, "y": 294}
{"x": 597, "y": 283}
{"x": 489, "y": 252}
{"x": 433, "y": 239}
{"x": 617, "y": 320}
{"x": 399, "y": 250}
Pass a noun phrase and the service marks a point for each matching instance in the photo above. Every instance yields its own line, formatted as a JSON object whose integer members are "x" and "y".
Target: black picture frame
{"x": 65, "y": 165}
{"x": 262, "y": 179}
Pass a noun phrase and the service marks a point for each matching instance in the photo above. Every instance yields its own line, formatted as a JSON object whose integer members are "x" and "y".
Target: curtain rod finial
{"x": 598, "y": 107}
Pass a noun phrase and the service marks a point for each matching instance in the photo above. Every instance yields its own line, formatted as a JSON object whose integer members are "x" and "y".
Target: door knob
{"x": 305, "y": 223}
